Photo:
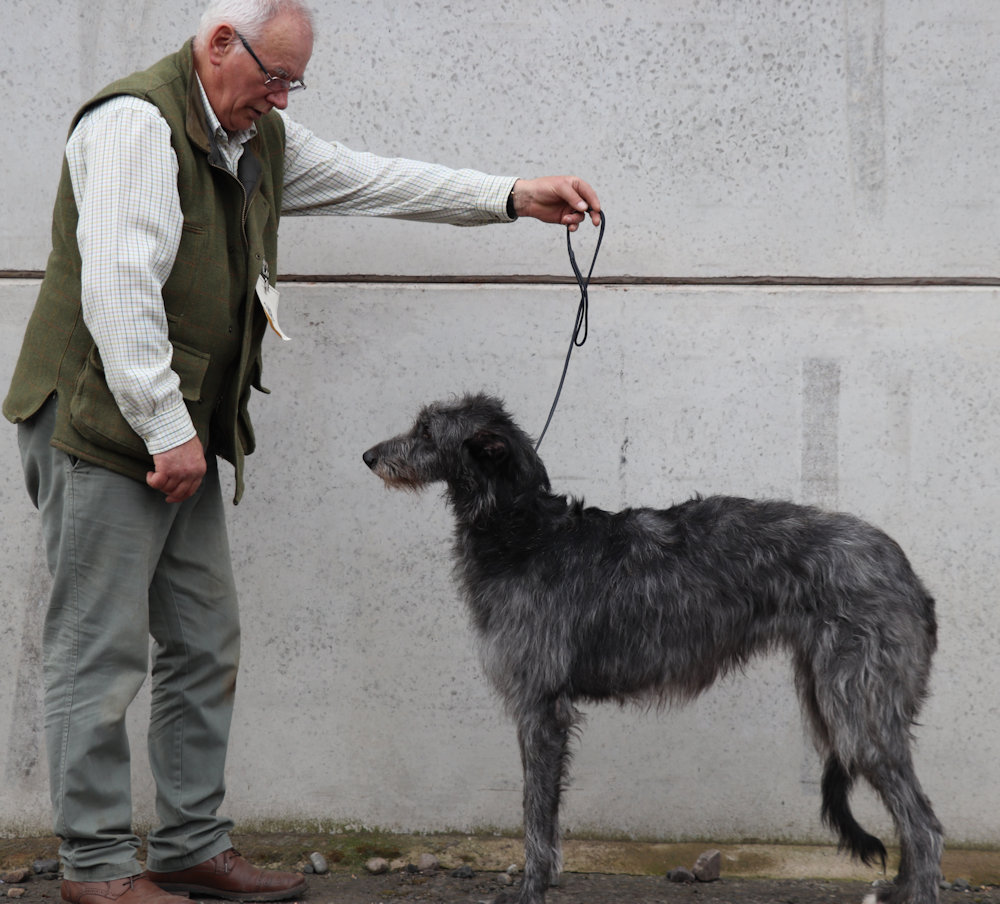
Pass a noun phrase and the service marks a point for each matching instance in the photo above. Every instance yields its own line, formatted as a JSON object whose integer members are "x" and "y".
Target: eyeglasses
{"x": 280, "y": 84}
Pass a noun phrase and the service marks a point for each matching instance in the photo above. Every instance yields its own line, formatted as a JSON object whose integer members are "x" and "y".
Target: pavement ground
{"x": 597, "y": 872}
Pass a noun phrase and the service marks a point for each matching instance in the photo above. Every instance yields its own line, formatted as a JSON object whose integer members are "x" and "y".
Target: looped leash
{"x": 582, "y": 318}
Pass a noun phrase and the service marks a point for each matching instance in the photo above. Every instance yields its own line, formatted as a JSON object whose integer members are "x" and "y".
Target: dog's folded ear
{"x": 487, "y": 446}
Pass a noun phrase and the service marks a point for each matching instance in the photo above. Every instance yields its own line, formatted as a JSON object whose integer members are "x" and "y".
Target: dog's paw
{"x": 882, "y": 895}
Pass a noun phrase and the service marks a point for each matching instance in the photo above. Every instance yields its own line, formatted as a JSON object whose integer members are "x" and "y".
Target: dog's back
{"x": 661, "y": 602}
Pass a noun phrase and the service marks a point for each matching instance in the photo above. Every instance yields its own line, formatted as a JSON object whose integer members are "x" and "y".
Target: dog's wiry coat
{"x": 574, "y": 603}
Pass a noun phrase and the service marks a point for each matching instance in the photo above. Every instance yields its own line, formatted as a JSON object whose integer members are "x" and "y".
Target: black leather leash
{"x": 582, "y": 317}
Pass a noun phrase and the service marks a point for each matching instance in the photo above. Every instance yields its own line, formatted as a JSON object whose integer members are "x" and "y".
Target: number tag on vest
{"x": 268, "y": 296}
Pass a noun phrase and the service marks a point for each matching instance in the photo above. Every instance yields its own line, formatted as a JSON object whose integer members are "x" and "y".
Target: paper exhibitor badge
{"x": 269, "y": 297}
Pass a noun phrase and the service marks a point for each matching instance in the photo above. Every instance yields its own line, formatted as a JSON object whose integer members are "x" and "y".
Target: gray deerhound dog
{"x": 652, "y": 605}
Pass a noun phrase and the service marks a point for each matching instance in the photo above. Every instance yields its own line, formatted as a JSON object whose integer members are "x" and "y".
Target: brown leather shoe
{"x": 135, "y": 889}
{"x": 228, "y": 875}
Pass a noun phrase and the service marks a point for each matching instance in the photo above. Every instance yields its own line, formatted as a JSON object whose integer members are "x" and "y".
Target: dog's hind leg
{"x": 864, "y": 728}
{"x": 543, "y": 732}
{"x": 892, "y": 776}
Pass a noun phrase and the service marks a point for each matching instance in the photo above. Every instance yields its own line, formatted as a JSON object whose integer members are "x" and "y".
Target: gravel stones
{"x": 426, "y": 863}
{"x": 707, "y": 868}
{"x": 681, "y": 875}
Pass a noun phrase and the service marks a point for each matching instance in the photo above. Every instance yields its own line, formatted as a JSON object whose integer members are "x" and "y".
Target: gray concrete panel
{"x": 806, "y": 138}
{"x": 360, "y": 699}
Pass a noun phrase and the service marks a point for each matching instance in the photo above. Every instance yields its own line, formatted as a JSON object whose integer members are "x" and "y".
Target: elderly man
{"x": 133, "y": 379}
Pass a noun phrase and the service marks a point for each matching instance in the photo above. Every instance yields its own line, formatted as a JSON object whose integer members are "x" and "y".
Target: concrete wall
{"x": 807, "y": 139}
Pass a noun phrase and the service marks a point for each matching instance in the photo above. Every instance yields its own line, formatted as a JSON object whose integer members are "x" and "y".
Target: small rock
{"x": 505, "y": 879}
{"x": 15, "y": 892}
{"x": 463, "y": 872}
{"x": 512, "y": 870}
{"x": 45, "y": 866}
{"x": 411, "y": 868}
{"x": 15, "y": 876}
{"x": 318, "y": 863}
{"x": 708, "y": 867}
{"x": 961, "y": 885}
{"x": 377, "y": 866}
{"x": 680, "y": 875}
{"x": 396, "y": 865}
{"x": 427, "y": 862}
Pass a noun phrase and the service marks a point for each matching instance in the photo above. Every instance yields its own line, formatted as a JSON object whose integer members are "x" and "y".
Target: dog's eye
{"x": 425, "y": 431}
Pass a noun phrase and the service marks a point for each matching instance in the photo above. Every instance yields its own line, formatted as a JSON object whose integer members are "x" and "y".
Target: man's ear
{"x": 219, "y": 42}
{"x": 487, "y": 446}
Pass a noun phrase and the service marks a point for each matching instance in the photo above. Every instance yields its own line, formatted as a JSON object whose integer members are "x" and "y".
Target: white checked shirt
{"x": 124, "y": 176}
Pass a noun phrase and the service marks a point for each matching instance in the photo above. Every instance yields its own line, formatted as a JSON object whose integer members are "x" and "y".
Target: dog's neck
{"x": 500, "y": 508}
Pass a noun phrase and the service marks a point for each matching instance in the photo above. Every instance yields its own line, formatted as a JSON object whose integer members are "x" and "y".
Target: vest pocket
{"x": 94, "y": 413}
{"x": 191, "y": 366}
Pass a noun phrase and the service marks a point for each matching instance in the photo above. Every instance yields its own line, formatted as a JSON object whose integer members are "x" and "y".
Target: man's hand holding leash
{"x": 556, "y": 199}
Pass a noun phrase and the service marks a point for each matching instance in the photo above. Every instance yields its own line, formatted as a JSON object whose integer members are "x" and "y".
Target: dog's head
{"x": 472, "y": 445}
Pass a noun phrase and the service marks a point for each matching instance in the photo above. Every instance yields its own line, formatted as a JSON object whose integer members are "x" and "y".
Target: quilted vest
{"x": 215, "y": 323}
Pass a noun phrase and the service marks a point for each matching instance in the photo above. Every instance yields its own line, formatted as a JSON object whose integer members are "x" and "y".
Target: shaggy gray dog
{"x": 572, "y": 603}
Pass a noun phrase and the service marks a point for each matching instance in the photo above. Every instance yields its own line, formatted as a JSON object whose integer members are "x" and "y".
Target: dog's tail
{"x": 837, "y": 784}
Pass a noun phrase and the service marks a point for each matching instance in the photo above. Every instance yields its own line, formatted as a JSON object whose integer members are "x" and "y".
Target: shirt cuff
{"x": 493, "y": 197}
{"x": 167, "y": 430}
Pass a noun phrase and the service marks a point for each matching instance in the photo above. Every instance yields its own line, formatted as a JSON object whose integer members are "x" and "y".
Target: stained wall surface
{"x": 844, "y": 149}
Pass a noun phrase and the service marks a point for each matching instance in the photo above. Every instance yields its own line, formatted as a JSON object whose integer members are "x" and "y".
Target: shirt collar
{"x": 215, "y": 128}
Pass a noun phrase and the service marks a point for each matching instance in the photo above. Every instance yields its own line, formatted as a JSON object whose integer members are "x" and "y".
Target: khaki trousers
{"x": 127, "y": 565}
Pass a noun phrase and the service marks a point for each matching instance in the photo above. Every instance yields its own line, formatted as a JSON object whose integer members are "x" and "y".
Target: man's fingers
{"x": 175, "y": 489}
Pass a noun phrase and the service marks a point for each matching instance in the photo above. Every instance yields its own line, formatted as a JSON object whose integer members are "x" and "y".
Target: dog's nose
{"x": 370, "y": 457}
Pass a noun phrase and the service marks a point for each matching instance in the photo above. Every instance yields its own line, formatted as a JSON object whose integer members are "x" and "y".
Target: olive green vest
{"x": 215, "y": 324}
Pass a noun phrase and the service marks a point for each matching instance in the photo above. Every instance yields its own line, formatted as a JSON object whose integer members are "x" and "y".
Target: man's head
{"x": 278, "y": 32}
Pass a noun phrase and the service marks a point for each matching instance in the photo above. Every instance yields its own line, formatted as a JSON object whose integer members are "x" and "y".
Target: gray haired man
{"x": 134, "y": 379}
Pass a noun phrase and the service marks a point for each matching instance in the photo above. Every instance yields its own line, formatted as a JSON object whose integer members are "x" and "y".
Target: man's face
{"x": 239, "y": 95}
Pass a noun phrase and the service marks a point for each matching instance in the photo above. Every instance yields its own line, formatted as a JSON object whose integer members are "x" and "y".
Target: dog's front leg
{"x": 543, "y": 733}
